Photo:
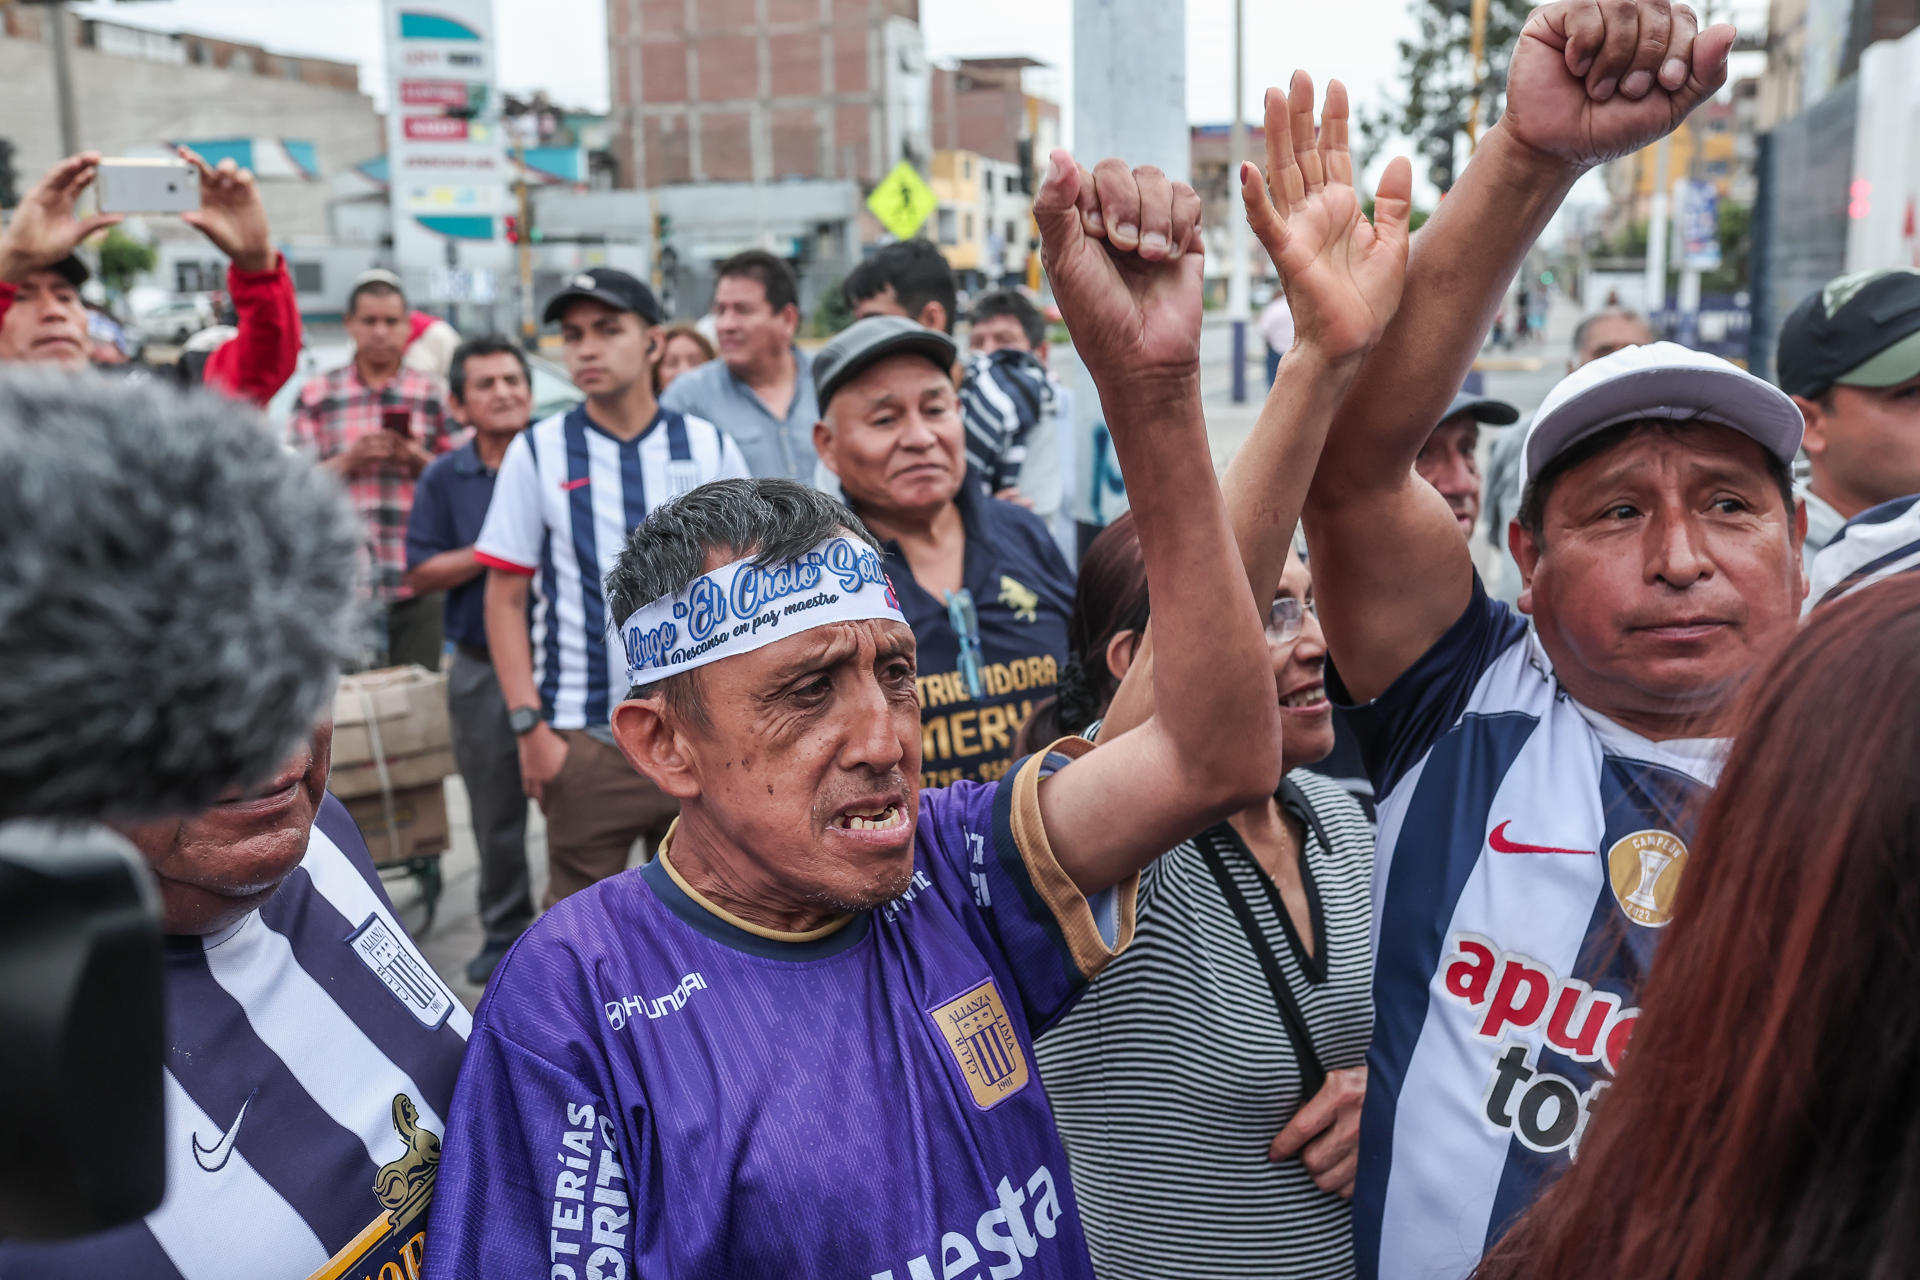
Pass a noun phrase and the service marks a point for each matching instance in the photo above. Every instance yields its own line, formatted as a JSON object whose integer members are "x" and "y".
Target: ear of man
{"x": 823, "y": 443}
{"x": 644, "y": 731}
{"x": 933, "y": 316}
{"x": 1526, "y": 554}
{"x": 1815, "y": 440}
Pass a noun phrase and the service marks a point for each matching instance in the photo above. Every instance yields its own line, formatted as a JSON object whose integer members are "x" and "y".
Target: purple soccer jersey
{"x": 651, "y": 1091}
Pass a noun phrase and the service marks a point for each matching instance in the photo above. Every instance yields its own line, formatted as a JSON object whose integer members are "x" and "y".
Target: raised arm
{"x": 1588, "y": 82}
{"x": 257, "y": 361}
{"x": 1343, "y": 277}
{"x": 1122, "y": 250}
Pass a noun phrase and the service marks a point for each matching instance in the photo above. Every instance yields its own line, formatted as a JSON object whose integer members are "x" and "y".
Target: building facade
{"x": 984, "y": 223}
{"x": 294, "y": 119}
{"x": 712, "y": 91}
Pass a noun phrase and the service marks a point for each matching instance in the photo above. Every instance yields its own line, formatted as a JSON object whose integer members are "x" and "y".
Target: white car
{"x": 553, "y": 390}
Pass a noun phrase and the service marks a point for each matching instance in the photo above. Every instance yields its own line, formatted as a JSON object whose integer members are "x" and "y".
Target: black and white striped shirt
{"x": 1172, "y": 1075}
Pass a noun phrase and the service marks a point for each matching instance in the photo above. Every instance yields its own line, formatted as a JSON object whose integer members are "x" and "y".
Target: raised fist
{"x": 1593, "y": 80}
{"x": 1122, "y": 249}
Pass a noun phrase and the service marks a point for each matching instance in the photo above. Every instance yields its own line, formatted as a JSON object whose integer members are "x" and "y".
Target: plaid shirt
{"x": 337, "y": 408}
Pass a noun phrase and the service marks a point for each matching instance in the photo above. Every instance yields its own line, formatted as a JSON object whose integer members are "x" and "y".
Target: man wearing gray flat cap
{"x": 980, "y": 581}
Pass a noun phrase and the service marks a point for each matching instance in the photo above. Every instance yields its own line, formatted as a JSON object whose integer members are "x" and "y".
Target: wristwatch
{"x": 524, "y": 719}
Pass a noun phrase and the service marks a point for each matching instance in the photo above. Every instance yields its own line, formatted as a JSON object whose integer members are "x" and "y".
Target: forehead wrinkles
{"x": 1701, "y": 451}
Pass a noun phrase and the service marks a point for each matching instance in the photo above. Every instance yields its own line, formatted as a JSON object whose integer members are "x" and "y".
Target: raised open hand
{"x": 1593, "y": 80}
{"x": 45, "y": 227}
{"x": 1343, "y": 274}
{"x": 231, "y": 213}
{"x": 1122, "y": 249}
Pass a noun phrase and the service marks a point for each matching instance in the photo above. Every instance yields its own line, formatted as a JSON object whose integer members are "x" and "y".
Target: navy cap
{"x": 1861, "y": 330}
{"x": 70, "y": 269}
{"x": 865, "y": 342}
{"x": 606, "y": 285}
{"x": 1495, "y": 413}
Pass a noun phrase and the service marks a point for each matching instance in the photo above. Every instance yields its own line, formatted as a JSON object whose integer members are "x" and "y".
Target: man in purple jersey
{"x": 800, "y": 1042}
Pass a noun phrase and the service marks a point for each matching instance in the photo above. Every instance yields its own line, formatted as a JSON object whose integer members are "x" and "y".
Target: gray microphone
{"x": 177, "y": 593}
{"x": 176, "y": 596}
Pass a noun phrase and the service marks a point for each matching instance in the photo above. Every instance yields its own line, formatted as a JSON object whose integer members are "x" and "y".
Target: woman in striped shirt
{"x": 1209, "y": 1084}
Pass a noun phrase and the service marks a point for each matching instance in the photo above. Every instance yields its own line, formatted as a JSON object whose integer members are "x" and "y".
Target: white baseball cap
{"x": 1661, "y": 380}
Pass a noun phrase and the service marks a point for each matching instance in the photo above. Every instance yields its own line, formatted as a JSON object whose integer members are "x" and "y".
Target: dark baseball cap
{"x": 615, "y": 288}
{"x": 70, "y": 269}
{"x": 1861, "y": 330}
{"x": 1495, "y": 413}
{"x": 865, "y": 342}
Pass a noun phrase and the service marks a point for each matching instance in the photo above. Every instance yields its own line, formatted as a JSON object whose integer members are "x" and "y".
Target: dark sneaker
{"x": 481, "y": 967}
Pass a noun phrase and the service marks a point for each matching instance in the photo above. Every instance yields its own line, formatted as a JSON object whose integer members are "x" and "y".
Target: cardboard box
{"x": 407, "y": 706}
{"x": 419, "y": 823}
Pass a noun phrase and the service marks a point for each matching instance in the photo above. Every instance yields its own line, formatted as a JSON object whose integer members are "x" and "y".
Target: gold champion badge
{"x": 981, "y": 1038}
{"x": 1644, "y": 869}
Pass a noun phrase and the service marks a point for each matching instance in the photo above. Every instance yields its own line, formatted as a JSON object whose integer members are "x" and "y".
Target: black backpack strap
{"x": 1312, "y": 1073}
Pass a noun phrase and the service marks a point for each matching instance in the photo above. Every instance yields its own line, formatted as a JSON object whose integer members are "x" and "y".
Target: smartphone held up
{"x": 148, "y": 186}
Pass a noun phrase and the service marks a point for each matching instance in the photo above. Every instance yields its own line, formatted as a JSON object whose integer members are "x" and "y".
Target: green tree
{"x": 1434, "y": 95}
{"x": 831, "y": 313}
{"x": 122, "y": 259}
{"x": 1734, "y": 231}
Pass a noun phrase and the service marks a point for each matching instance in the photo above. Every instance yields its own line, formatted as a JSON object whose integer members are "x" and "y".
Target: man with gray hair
{"x": 800, "y": 1041}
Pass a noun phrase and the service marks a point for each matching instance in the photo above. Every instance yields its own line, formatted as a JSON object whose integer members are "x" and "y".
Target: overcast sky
{"x": 560, "y": 45}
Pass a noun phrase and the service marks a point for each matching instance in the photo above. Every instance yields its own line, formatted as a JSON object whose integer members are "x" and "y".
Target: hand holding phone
{"x": 398, "y": 421}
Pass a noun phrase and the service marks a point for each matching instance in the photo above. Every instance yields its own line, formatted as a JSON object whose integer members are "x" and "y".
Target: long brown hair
{"x": 1109, "y": 596}
{"x": 1764, "y": 1124}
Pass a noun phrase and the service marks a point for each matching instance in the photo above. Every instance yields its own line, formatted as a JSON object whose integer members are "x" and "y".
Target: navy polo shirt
{"x": 1023, "y": 595}
{"x": 449, "y": 506}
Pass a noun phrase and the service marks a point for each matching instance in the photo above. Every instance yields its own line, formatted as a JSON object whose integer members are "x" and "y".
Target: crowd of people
{"x": 1260, "y": 893}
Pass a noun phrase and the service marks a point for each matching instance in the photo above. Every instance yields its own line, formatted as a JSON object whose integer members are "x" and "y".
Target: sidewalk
{"x": 456, "y": 936}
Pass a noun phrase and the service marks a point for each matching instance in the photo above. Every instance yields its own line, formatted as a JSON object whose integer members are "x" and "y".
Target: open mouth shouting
{"x": 888, "y": 818}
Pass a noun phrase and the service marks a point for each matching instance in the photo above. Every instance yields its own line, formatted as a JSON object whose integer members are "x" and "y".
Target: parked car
{"x": 175, "y": 321}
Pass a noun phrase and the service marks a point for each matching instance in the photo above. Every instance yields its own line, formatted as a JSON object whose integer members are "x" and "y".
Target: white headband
{"x": 740, "y": 607}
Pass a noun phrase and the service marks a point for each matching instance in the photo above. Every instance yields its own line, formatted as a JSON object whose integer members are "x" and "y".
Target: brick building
{"x": 762, "y": 91}
{"x": 983, "y": 105}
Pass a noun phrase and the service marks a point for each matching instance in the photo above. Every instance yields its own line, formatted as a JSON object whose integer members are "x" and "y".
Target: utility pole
{"x": 523, "y": 251}
{"x": 1238, "y": 301}
{"x": 1477, "y": 54}
{"x": 1656, "y": 280}
{"x": 61, "y": 32}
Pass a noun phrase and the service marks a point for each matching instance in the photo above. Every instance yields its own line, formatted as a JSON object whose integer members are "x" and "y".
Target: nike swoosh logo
{"x": 568, "y": 486}
{"x": 213, "y": 1159}
{"x": 1499, "y": 843}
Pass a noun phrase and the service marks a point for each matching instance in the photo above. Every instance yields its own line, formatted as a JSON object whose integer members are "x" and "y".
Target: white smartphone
{"x": 148, "y": 186}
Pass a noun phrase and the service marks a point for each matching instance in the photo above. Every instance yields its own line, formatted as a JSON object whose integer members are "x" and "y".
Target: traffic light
{"x": 513, "y": 229}
{"x": 9, "y": 179}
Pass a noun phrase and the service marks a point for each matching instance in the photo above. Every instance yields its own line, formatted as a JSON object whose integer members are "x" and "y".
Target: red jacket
{"x": 258, "y": 360}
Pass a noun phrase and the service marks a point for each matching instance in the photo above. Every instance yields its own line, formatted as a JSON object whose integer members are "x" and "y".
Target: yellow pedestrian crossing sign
{"x": 902, "y": 201}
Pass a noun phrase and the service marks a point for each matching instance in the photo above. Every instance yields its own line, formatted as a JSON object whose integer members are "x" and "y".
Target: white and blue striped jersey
{"x": 1529, "y": 851}
{"x": 311, "y": 1054}
{"x": 568, "y": 494}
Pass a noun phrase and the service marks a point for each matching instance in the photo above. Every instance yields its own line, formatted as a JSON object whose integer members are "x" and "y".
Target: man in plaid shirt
{"x": 377, "y": 425}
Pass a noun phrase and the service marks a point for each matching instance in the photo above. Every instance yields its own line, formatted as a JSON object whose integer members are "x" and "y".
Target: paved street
{"x": 1522, "y": 377}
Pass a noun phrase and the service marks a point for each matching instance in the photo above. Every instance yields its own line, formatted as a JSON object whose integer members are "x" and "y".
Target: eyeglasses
{"x": 966, "y": 625}
{"x": 1286, "y": 616}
